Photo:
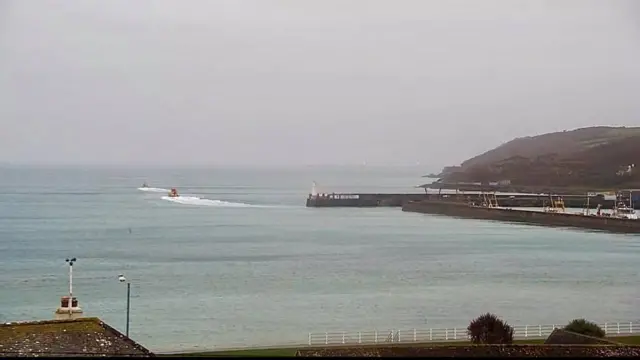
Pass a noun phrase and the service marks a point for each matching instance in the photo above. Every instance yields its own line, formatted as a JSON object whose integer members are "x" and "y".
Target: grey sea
{"x": 239, "y": 261}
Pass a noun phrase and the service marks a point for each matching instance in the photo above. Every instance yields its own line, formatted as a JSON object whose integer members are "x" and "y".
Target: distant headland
{"x": 594, "y": 157}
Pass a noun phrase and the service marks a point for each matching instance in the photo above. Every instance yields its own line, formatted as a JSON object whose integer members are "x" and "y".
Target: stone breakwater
{"x": 397, "y": 200}
{"x": 464, "y": 210}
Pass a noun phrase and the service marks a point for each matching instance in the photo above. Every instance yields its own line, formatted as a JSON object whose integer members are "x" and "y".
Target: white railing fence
{"x": 450, "y": 334}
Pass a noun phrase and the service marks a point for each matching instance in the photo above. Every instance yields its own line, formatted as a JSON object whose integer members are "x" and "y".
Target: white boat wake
{"x": 152, "y": 189}
{"x": 194, "y": 200}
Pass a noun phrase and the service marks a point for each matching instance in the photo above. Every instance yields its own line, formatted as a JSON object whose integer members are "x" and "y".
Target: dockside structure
{"x": 397, "y": 200}
{"x": 465, "y": 210}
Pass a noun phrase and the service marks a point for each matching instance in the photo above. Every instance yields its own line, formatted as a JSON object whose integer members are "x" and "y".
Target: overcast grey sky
{"x": 307, "y": 81}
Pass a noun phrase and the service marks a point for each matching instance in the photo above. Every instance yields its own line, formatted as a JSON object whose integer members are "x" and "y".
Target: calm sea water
{"x": 247, "y": 264}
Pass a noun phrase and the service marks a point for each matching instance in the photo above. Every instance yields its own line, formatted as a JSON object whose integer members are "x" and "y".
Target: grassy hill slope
{"x": 595, "y": 156}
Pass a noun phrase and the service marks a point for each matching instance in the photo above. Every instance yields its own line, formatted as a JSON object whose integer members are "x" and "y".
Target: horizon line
{"x": 199, "y": 166}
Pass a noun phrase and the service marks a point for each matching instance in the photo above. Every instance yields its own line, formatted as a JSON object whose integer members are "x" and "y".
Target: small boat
{"x": 144, "y": 185}
{"x": 173, "y": 193}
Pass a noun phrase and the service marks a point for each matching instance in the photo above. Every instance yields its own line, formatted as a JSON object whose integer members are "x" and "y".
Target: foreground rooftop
{"x": 79, "y": 337}
{"x": 479, "y": 351}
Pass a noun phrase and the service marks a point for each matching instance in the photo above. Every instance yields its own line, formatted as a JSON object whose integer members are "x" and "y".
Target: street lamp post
{"x": 121, "y": 278}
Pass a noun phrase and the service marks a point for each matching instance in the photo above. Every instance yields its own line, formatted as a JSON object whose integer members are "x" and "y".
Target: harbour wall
{"x": 463, "y": 210}
{"x": 362, "y": 200}
{"x": 397, "y": 200}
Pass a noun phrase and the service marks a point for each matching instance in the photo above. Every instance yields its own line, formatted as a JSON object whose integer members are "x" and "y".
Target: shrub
{"x": 489, "y": 329}
{"x": 584, "y": 327}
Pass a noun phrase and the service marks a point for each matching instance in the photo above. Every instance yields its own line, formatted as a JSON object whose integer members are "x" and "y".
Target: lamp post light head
{"x": 123, "y": 279}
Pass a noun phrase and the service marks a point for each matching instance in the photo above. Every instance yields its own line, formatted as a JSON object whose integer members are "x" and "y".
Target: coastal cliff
{"x": 597, "y": 157}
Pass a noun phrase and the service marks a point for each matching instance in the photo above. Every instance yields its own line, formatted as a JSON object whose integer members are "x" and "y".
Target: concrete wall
{"x": 363, "y": 200}
{"x": 530, "y": 217}
{"x": 373, "y": 200}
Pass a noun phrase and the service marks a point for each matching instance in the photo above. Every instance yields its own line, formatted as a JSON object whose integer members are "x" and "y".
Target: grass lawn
{"x": 628, "y": 340}
{"x": 290, "y": 352}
